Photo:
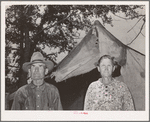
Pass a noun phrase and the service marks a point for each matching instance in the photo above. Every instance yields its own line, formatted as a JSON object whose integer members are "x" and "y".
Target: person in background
{"x": 108, "y": 94}
{"x": 37, "y": 95}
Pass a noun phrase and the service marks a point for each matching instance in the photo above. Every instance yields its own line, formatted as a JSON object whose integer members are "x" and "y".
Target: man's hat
{"x": 37, "y": 57}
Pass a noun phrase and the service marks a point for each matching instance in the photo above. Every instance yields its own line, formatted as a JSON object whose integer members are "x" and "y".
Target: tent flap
{"x": 80, "y": 60}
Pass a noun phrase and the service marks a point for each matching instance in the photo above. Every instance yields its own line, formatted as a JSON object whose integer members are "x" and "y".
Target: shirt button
{"x": 38, "y": 106}
{"x": 38, "y": 95}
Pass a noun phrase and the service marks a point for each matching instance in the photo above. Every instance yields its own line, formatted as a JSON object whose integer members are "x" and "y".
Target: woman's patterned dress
{"x": 112, "y": 97}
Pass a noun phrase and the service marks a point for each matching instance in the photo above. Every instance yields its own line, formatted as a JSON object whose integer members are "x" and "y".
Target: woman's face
{"x": 106, "y": 67}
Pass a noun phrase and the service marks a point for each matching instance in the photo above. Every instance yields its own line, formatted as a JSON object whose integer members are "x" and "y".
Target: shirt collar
{"x": 41, "y": 87}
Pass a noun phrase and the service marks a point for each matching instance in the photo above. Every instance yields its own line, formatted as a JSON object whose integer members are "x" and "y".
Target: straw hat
{"x": 37, "y": 57}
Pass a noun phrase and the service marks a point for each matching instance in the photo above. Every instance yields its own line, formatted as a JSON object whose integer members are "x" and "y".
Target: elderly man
{"x": 38, "y": 95}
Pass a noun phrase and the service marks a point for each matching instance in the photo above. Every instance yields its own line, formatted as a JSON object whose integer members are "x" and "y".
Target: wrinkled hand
{"x": 53, "y": 74}
{"x": 29, "y": 80}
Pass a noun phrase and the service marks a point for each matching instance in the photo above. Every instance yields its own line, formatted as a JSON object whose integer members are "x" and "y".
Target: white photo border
{"x": 72, "y": 115}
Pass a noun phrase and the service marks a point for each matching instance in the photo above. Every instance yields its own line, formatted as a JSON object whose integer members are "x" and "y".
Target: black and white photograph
{"x": 74, "y": 60}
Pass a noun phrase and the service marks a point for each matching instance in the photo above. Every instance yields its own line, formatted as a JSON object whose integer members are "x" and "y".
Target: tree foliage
{"x": 31, "y": 28}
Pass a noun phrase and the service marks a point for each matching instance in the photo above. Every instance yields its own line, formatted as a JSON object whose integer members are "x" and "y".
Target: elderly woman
{"x": 107, "y": 93}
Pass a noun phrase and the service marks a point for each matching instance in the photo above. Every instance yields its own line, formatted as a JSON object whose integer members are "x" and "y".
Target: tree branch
{"x": 12, "y": 66}
{"x": 121, "y": 17}
{"x": 54, "y": 24}
{"x": 128, "y": 18}
{"x": 50, "y": 54}
{"x": 13, "y": 48}
{"x": 51, "y": 27}
{"x": 56, "y": 42}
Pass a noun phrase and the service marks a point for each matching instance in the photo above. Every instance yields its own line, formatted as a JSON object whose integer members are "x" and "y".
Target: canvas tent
{"x": 96, "y": 43}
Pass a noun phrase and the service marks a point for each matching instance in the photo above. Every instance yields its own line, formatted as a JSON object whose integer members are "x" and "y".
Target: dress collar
{"x": 113, "y": 80}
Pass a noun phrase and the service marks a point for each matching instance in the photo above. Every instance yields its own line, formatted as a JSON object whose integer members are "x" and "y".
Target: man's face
{"x": 37, "y": 71}
{"x": 106, "y": 67}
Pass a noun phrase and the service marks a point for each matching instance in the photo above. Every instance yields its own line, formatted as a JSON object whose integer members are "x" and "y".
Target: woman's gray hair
{"x": 114, "y": 63}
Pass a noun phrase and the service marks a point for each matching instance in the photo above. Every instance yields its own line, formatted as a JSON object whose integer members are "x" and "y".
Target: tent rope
{"x": 136, "y": 60}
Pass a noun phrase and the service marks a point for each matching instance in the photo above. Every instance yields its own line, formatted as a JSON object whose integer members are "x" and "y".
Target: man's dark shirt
{"x": 30, "y": 97}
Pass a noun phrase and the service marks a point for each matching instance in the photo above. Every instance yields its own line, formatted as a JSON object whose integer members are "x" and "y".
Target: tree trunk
{"x": 25, "y": 56}
{"x": 21, "y": 60}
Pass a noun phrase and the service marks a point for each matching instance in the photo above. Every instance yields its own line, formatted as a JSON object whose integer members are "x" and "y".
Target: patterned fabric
{"x": 30, "y": 97}
{"x": 112, "y": 97}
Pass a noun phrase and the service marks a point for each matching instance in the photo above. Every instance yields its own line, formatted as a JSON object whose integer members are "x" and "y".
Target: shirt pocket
{"x": 29, "y": 104}
{"x": 51, "y": 108}
{"x": 26, "y": 104}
